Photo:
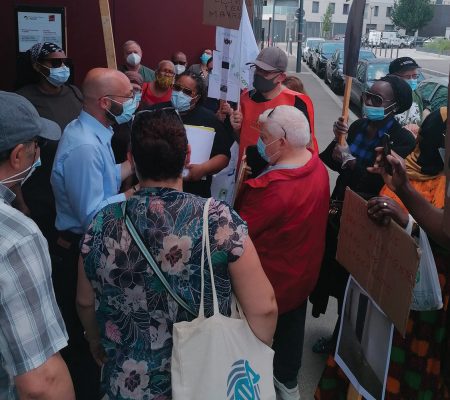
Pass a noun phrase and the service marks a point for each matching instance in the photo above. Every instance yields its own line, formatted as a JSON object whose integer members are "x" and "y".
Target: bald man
{"x": 132, "y": 55}
{"x": 85, "y": 178}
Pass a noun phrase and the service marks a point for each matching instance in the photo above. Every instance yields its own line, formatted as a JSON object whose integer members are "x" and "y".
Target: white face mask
{"x": 179, "y": 69}
{"x": 133, "y": 59}
{"x": 22, "y": 180}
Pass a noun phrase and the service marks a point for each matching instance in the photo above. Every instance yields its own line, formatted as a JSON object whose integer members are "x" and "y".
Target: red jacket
{"x": 286, "y": 211}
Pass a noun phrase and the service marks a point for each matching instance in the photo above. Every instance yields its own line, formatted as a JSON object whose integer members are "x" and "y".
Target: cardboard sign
{"x": 382, "y": 259}
{"x": 447, "y": 170}
{"x": 226, "y": 13}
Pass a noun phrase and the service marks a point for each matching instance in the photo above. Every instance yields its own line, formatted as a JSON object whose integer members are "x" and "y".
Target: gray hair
{"x": 129, "y": 43}
{"x": 165, "y": 62}
{"x": 289, "y": 122}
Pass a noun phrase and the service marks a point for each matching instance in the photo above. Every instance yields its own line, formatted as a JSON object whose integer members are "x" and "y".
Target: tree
{"x": 412, "y": 15}
{"x": 326, "y": 22}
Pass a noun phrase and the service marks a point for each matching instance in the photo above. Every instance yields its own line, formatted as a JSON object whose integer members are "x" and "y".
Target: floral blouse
{"x": 134, "y": 311}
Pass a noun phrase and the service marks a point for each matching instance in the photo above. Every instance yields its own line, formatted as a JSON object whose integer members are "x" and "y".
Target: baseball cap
{"x": 20, "y": 122}
{"x": 271, "y": 59}
{"x": 402, "y": 64}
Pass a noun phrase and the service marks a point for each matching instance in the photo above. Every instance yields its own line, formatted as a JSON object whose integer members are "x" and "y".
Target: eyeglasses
{"x": 116, "y": 95}
{"x": 167, "y": 73}
{"x": 39, "y": 142}
{"x": 157, "y": 112}
{"x": 55, "y": 62}
{"x": 178, "y": 88}
{"x": 408, "y": 76}
{"x": 375, "y": 99}
{"x": 270, "y": 114}
{"x": 179, "y": 62}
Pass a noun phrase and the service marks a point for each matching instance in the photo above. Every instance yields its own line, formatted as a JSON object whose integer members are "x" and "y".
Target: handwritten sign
{"x": 382, "y": 259}
{"x": 447, "y": 170}
{"x": 226, "y": 13}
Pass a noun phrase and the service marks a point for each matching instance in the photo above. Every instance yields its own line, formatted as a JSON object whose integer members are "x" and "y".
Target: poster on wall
{"x": 40, "y": 24}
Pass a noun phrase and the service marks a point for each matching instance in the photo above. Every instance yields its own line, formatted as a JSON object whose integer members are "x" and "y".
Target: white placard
{"x": 201, "y": 139}
{"x": 38, "y": 27}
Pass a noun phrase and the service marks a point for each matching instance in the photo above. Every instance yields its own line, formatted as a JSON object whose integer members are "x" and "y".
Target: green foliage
{"x": 412, "y": 14}
{"x": 439, "y": 45}
{"x": 326, "y": 22}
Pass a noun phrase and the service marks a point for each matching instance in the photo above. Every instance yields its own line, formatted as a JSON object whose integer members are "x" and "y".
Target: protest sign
{"x": 364, "y": 344}
{"x": 200, "y": 139}
{"x": 222, "y": 13}
{"x": 382, "y": 259}
{"x": 446, "y": 225}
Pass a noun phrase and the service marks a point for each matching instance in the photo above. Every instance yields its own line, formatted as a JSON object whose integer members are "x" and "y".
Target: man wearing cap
{"x": 132, "y": 54}
{"x": 407, "y": 69}
{"x": 269, "y": 92}
{"x": 32, "y": 330}
{"x": 85, "y": 178}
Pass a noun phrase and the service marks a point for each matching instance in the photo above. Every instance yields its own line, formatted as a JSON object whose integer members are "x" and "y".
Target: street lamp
{"x": 273, "y": 19}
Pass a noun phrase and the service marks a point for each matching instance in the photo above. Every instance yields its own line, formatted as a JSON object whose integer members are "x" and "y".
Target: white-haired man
{"x": 132, "y": 55}
{"x": 286, "y": 209}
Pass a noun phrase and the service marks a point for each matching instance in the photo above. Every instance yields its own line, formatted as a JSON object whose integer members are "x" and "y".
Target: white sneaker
{"x": 283, "y": 393}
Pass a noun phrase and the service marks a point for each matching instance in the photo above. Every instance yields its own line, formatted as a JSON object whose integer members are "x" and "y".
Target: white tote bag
{"x": 219, "y": 358}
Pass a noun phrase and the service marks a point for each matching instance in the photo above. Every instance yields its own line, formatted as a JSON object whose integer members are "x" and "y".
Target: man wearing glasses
{"x": 270, "y": 67}
{"x": 179, "y": 59}
{"x": 32, "y": 331}
{"x": 407, "y": 69}
{"x": 85, "y": 178}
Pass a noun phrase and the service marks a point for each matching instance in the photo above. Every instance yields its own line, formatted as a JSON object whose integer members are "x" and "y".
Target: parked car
{"x": 418, "y": 41}
{"x": 367, "y": 72}
{"x": 434, "y": 39}
{"x": 310, "y": 45}
{"x": 434, "y": 92}
{"x": 334, "y": 69}
{"x": 323, "y": 53}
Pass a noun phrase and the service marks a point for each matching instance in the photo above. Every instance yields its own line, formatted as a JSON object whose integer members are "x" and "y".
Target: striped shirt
{"x": 32, "y": 329}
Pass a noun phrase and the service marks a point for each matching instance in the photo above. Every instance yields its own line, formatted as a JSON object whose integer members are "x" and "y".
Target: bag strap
{"x": 138, "y": 240}
{"x": 206, "y": 244}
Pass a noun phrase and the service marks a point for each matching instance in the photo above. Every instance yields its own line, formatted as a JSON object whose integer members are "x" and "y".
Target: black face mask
{"x": 262, "y": 84}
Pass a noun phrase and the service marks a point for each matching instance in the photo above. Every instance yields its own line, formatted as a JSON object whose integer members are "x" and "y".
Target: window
{"x": 375, "y": 11}
{"x": 345, "y": 9}
{"x": 388, "y": 12}
{"x": 315, "y": 7}
{"x": 365, "y": 11}
{"x": 389, "y": 27}
{"x": 333, "y": 7}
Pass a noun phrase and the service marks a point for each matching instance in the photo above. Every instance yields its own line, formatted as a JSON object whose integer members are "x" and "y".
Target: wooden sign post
{"x": 346, "y": 105}
{"x": 108, "y": 34}
{"x": 446, "y": 225}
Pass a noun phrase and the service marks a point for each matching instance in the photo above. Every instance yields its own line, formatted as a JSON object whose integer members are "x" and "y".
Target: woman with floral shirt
{"x": 127, "y": 312}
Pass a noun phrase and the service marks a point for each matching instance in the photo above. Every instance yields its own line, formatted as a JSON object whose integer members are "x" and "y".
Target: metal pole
{"x": 268, "y": 33}
{"x": 273, "y": 19}
{"x": 299, "y": 39}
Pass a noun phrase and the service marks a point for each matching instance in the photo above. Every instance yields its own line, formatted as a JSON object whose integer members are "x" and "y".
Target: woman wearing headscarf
{"x": 44, "y": 76}
{"x": 419, "y": 362}
{"x": 387, "y": 97}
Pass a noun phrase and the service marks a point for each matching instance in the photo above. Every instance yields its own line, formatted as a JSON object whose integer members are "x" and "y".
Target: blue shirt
{"x": 85, "y": 177}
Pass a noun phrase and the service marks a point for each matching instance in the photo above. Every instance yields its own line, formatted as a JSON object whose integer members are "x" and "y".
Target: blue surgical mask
{"x": 58, "y": 76}
{"x": 181, "y": 101}
{"x": 375, "y": 113}
{"x": 412, "y": 83}
{"x": 30, "y": 170}
{"x": 128, "y": 109}
{"x": 261, "y": 147}
{"x": 137, "y": 97}
{"x": 205, "y": 57}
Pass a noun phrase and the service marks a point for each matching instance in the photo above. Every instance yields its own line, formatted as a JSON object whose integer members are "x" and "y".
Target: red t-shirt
{"x": 286, "y": 211}
{"x": 148, "y": 98}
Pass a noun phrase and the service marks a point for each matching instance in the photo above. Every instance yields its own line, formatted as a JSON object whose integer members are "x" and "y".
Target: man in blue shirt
{"x": 85, "y": 178}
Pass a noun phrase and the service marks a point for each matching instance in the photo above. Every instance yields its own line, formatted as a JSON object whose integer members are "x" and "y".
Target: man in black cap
{"x": 407, "y": 69}
{"x": 32, "y": 330}
{"x": 269, "y": 92}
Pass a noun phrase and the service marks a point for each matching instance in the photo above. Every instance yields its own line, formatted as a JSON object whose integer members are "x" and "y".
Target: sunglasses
{"x": 157, "y": 112}
{"x": 55, "y": 62}
{"x": 178, "y": 88}
{"x": 179, "y": 63}
{"x": 270, "y": 114}
{"x": 375, "y": 99}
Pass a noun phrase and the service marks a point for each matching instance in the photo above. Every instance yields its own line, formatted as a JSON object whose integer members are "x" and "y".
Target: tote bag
{"x": 219, "y": 358}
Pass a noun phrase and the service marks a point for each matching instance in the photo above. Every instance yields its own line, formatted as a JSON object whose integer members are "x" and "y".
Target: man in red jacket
{"x": 269, "y": 92}
{"x": 286, "y": 209}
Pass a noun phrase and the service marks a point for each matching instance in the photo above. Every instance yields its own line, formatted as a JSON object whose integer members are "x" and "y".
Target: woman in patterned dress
{"x": 126, "y": 311}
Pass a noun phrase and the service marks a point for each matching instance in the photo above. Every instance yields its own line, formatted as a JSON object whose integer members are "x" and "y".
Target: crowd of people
{"x": 83, "y": 314}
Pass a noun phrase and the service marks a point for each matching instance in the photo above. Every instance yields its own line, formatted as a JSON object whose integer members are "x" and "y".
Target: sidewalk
{"x": 328, "y": 108}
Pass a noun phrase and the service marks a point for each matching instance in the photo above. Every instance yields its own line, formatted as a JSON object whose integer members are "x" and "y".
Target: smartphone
{"x": 255, "y": 161}
{"x": 387, "y": 146}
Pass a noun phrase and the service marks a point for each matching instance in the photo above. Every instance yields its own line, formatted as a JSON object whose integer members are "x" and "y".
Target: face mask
{"x": 181, "y": 101}
{"x": 30, "y": 170}
{"x": 262, "y": 84}
{"x": 133, "y": 59}
{"x": 128, "y": 109}
{"x": 179, "y": 69}
{"x": 58, "y": 76}
{"x": 204, "y": 58}
{"x": 375, "y": 113}
{"x": 164, "y": 82}
{"x": 262, "y": 149}
{"x": 137, "y": 97}
{"x": 412, "y": 83}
